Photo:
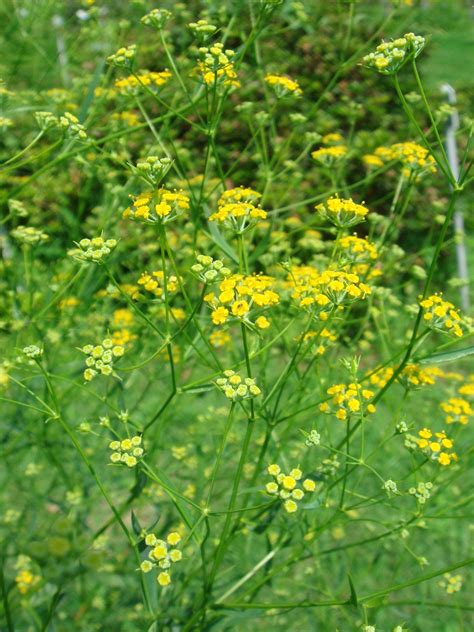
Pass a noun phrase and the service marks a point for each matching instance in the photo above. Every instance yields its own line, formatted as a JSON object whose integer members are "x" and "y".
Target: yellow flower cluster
{"x": 467, "y": 389}
{"x": 122, "y": 318}
{"x": 126, "y": 451}
{"x": 415, "y": 159}
{"x": 325, "y": 334}
{"x": 26, "y": 579}
{"x": 324, "y": 291}
{"x": 283, "y": 85}
{"x": 441, "y": 315}
{"x": 285, "y": 486}
{"x": 451, "y": 583}
{"x": 389, "y": 57}
{"x": 239, "y": 294}
{"x": 347, "y": 400}
{"x": 162, "y": 554}
{"x": 100, "y": 358}
{"x": 237, "y": 209}
{"x": 143, "y": 80}
{"x": 413, "y": 375}
{"x": 220, "y": 338}
{"x": 128, "y": 117}
{"x": 234, "y": 388}
{"x": 333, "y": 138}
{"x": 457, "y": 410}
{"x": 154, "y": 282}
{"x": 160, "y": 206}
{"x": 342, "y": 213}
{"x": 435, "y": 445}
{"x": 217, "y": 66}
{"x": 329, "y": 155}
{"x": 356, "y": 249}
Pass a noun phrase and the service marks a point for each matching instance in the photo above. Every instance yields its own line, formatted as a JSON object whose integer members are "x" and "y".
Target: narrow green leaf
{"x": 449, "y": 356}
{"x": 354, "y": 601}
{"x": 222, "y": 243}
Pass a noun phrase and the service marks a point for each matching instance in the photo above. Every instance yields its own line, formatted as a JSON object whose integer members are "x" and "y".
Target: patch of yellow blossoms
{"x": 327, "y": 156}
{"x": 217, "y": 66}
{"x": 457, "y": 410}
{"x": 343, "y": 213}
{"x": 434, "y": 446}
{"x": 160, "y": 206}
{"x": 441, "y": 315}
{"x": 144, "y": 80}
{"x": 347, "y": 400}
{"x": 415, "y": 159}
{"x": 324, "y": 291}
{"x": 283, "y": 85}
{"x": 237, "y": 209}
{"x": 356, "y": 249}
{"x": 154, "y": 282}
{"x": 287, "y": 487}
{"x": 239, "y": 295}
{"x": 161, "y": 555}
{"x": 126, "y": 451}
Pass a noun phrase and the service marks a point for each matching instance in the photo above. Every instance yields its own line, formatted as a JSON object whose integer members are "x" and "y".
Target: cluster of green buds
{"x": 100, "y": 358}
{"x": 390, "y": 487}
{"x": 421, "y": 492}
{"x": 154, "y": 169}
{"x": 46, "y": 120}
{"x": 33, "y": 351}
{"x": 162, "y": 555}
{"x": 313, "y": 438}
{"x": 18, "y": 209}
{"x": 285, "y": 486}
{"x": 389, "y": 57}
{"x": 210, "y": 270}
{"x": 236, "y": 389}
{"x": 71, "y": 126}
{"x": 29, "y": 235}
{"x": 127, "y": 451}
{"x": 123, "y": 58}
{"x": 217, "y": 66}
{"x": 94, "y": 249}
{"x": 157, "y": 18}
{"x": 202, "y": 29}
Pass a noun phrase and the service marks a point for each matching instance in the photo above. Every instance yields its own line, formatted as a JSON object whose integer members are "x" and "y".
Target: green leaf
{"x": 216, "y": 235}
{"x": 137, "y": 528}
{"x": 449, "y": 356}
{"x": 375, "y": 603}
{"x": 354, "y": 601}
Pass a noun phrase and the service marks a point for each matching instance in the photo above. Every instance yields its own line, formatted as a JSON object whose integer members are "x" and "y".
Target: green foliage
{"x": 236, "y": 386}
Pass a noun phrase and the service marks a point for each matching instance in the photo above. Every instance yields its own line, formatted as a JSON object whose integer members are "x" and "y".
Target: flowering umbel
{"x": 288, "y": 487}
{"x": 162, "y": 555}
{"x": 389, "y": 57}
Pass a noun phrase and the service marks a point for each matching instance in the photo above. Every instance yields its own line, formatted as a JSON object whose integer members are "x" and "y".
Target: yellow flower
{"x": 283, "y": 85}
{"x": 240, "y": 308}
{"x": 290, "y": 506}
{"x": 164, "y": 578}
{"x": 262, "y": 322}
{"x": 309, "y": 485}
{"x": 220, "y": 315}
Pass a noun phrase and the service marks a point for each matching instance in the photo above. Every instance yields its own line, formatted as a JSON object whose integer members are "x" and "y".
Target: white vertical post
{"x": 452, "y": 153}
